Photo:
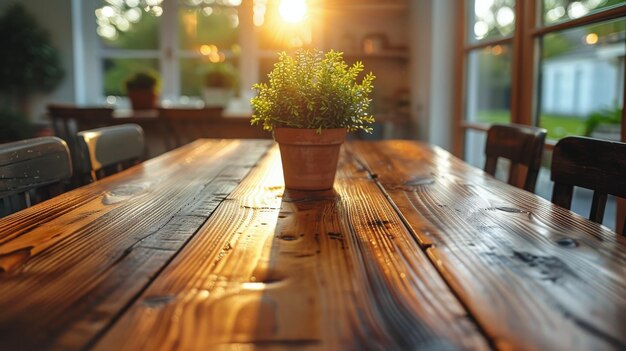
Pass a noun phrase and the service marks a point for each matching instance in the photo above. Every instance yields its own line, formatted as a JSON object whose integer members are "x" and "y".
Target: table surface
{"x": 203, "y": 249}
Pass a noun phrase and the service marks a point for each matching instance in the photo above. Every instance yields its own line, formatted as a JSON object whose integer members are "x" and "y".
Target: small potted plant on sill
{"x": 220, "y": 81}
{"x": 309, "y": 103}
{"x": 142, "y": 91}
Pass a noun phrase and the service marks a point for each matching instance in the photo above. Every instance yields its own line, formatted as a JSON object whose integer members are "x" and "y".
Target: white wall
{"x": 55, "y": 17}
{"x": 580, "y": 86}
{"x": 433, "y": 32}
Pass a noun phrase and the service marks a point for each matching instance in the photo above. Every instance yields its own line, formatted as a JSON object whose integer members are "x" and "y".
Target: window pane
{"x": 582, "y": 81}
{"x": 118, "y": 70}
{"x": 488, "y": 88}
{"x": 128, "y": 25}
{"x": 562, "y": 10}
{"x": 489, "y": 19}
{"x": 475, "y": 147}
{"x": 201, "y": 26}
{"x": 193, "y": 75}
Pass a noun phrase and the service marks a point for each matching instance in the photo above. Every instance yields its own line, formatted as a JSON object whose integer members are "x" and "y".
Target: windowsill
{"x": 236, "y": 108}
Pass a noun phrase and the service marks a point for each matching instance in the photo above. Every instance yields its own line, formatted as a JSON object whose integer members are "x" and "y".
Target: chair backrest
{"x": 522, "y": 145}
{"x": 189, "y": 124}
{"x": 32, "y": 171}
{"x": 594, "y": 164}
{"x": 108, "y": 150}
{"x": 67, "y": 120}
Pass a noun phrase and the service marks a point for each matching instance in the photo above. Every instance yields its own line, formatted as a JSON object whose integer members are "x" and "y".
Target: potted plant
{"x": 219, "y": 84}
{"x": 142, "y": 91}
{"x": 309, "y": 103}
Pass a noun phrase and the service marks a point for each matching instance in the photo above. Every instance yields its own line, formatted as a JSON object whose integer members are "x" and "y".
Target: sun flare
{"x": 292, "y": 11}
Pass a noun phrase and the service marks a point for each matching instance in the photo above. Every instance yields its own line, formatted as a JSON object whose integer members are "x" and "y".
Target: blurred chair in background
{"x": 185, "y": 125}
{"x": 67, "y": 120}
{"x": 522, "y": 145}
{"x": 108, "y": 150}
{"x": 31, "y": 171}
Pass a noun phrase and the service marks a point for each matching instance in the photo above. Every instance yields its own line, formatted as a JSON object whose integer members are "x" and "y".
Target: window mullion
{"x": 169, "y": 60}
{"x": 249, "y": 63}
{"x": 460, "y": 71}
{"x": 525, "y": 50}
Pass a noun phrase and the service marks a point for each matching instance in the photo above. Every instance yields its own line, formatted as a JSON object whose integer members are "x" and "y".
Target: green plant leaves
{"x": 314, "y": 90}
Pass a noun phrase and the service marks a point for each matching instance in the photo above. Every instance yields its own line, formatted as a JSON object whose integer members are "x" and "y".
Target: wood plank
{"x": 68, "y": 266}
{"x": 535, "y": 276}
{"x": 309, "y": 270}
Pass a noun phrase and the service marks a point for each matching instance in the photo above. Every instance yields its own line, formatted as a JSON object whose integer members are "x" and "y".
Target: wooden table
{"x": 203, "y": 249}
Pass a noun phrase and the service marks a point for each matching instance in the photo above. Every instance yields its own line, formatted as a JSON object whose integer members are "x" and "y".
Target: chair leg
{"x": 598, "y": 203}
{"x": 490, "y": 165}
{"x": 562, "y": 195}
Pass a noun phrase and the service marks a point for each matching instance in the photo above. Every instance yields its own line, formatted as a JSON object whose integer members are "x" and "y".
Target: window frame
{"x": 168, "y": 55}
{"x": 524, "y": 66}
{"x": 524, "y": 69}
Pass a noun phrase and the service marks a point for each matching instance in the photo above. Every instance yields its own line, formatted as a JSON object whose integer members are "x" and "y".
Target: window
{"x": 181, "y": 40}
{"x": 176, "y": 40}
{"x": 580, "y": 79}
{"x": 488, "y": 50}
{"x": 563, "y": 70}
{"x": 558, "y": 64}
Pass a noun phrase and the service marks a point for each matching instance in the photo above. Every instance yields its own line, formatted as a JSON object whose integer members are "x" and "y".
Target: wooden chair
{"x": 108, "y": 150}
{"x": 67, "y": 120}
{"x": 31, "y": 171}
{"x": 522, "y": 145}
{"x": 188, "y": 124}
{"x": 594, "y": 164}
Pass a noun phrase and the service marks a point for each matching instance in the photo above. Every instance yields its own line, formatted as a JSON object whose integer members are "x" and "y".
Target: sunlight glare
{"x": 591, "y": 39}
{"x": 133, "y": 15}
{"x": 505, "y": 16}
{"x": 482, "y": 7}
{"x": 107, "y": 11}
{"x": 292, "y": 11}
{"x": 555, "y": 13}
{"x": 577, "y": 9}
{"x": 480, "y": 29}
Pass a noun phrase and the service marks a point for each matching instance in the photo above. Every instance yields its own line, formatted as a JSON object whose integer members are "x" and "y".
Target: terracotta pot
{"x": 143, "y": 99}
{"x": 309, "y": 159}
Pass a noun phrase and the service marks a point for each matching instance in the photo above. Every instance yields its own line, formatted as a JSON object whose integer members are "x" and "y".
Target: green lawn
{"x": 557, "y": 126}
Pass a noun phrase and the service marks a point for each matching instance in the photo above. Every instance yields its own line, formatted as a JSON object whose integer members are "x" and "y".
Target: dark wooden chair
{"x": 188, "y": 124}
{"x": 594, "y": 164}
{"x": 31, "y": 171}
{"x": 522, "y": 145}
{"x": 67, "y": 120}
{"x": 108, "y": 150}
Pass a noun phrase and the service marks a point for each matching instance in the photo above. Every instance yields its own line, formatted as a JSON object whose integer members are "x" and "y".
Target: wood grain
{"x": 534, "y": 276}
{"x": 332, "y": 270}
{"x": 69, "y": 266}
